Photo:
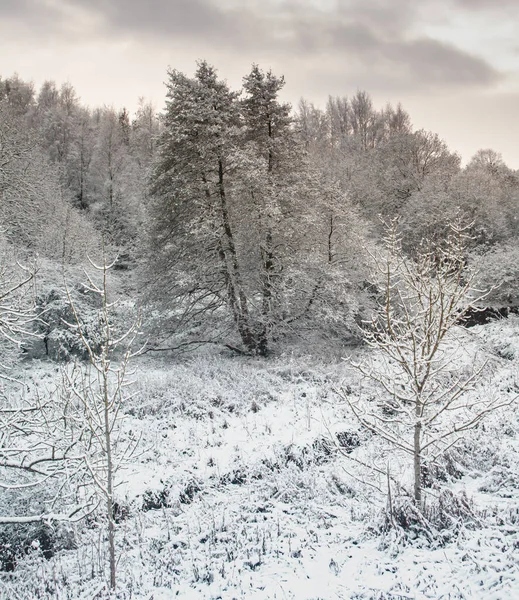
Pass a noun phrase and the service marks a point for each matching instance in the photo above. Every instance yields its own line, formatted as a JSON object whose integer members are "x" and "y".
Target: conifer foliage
{"x": 224, "y": 188}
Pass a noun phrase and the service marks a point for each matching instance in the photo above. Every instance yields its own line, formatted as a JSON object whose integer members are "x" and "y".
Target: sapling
{"x": 425, "y": 405}
{"x": 101, "y": 390}
{"x": 36, "y": 446}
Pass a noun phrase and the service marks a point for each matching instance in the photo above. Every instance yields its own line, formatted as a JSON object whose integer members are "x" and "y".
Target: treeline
{"x": 389, "y": 169}
{"x": 71, "y": 174}
{"x": 246, "y": 221}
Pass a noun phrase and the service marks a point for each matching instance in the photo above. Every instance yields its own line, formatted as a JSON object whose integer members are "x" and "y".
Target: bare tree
{"x": 16, "y": 310}
{"x": 425, "y": 405}
{"x": 100, "y": 389}
{"x": 37, "y": 447}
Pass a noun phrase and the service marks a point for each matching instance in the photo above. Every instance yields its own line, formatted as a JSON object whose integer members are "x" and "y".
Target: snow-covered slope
{"x": 253, "y": 480}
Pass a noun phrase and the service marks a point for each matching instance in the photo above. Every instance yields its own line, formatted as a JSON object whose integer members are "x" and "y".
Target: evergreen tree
{"x": 193, "y": 234}
{"x": 268, "y": 129}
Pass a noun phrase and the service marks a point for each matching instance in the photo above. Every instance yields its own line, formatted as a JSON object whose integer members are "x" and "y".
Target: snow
{"x": 253, "y": 497}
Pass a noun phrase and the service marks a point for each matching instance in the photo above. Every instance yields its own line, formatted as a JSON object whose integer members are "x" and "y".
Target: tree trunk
{"x": 268, "y": 266}
{"x": 237, "y": 297}
{"x": 330, "y": 242}
{"x": 418, "y": 463}
{"x": 109, "y": 469}
{"x": 111, "y": 539}
{"x": 266, "y": 309}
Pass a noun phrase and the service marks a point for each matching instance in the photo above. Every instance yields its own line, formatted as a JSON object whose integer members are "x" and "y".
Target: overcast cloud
{"x": 395, "y": 50}
{"x": 352, "y": 35}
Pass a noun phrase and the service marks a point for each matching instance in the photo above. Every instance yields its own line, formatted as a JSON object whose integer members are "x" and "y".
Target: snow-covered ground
{"x": 253, "y": 480}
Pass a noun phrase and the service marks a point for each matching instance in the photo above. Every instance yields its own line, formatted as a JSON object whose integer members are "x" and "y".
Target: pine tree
{"x": 268, "y": 128}
{"x": 193, "y": 234}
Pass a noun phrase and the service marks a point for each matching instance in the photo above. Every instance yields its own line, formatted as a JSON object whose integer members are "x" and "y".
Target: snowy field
{"x": 252, "y": 480}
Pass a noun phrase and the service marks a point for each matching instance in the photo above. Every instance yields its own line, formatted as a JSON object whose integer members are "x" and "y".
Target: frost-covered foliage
{"x": 255, "y": 482}
{"x": 34, "y": 211}
{"x": 57, "y": 327}
{"x": 499, "y": 272}
{"x": 252, "y": 480}
{"x": 16, "y": 304}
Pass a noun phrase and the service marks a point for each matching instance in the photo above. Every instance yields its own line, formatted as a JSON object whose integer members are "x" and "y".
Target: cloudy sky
{"x": 454, "y": 64}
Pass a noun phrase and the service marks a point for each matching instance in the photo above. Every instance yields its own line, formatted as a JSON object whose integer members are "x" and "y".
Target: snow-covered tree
{"x": 276, "y": 188}
{"x": 35, "y": 209}
{"x": 98, "y": 391}
{"x": 145, "y": 130}
{"x": 17, "y": 94}
{"x": 425, "y": 405}
{"x": 193, "y": 234}
{"x": 37, "y": 450}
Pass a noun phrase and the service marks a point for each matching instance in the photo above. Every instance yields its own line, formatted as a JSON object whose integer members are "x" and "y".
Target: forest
{"x": 250, "y": 350}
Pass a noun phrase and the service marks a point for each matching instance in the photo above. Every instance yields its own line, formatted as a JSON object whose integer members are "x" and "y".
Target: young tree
{"x": 100, "y": 390}
{"x": 414, "y": 335}
{"x": 37, "y": 446}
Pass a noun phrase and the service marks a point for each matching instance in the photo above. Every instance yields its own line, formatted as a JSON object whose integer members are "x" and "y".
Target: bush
{"x": 18, "y": 540}
{"x": 443, "y": 515}
{"x": 59, "y": 339}
{"x": 157, "y": 499}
